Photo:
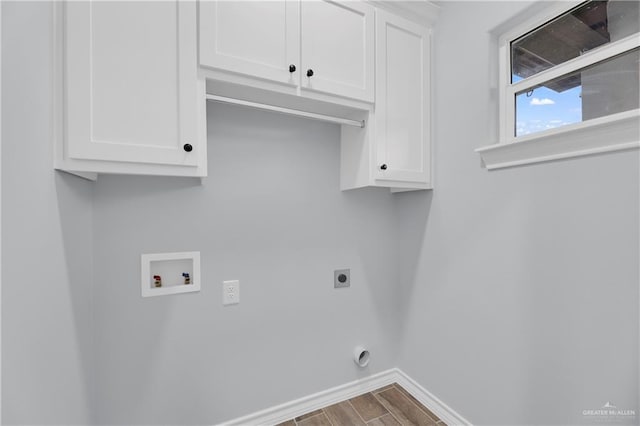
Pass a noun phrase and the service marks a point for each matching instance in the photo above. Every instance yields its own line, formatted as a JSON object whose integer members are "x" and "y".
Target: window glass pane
{"x": 605, "y": 88}
{"x": 581, "y": 29}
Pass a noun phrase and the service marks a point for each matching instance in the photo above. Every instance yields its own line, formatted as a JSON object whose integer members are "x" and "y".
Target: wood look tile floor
{"x": 387, "y": 406}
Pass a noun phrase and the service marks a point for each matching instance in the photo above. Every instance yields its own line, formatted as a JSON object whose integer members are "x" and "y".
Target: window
{"x": 570, "y": 82}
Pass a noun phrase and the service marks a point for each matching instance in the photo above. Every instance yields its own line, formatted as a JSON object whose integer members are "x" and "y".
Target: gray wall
{"x": 511, "y": 295}
{"x": 522, "y": 290}
{"x": 270, "y": 214}
{"x": 46, "y": 240}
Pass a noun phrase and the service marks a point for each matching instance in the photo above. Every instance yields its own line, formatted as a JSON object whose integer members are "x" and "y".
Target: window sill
{"x": 617, "y": 132}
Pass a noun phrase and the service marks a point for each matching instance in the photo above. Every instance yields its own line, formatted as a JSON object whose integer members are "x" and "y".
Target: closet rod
{"x": 281, "y": 110}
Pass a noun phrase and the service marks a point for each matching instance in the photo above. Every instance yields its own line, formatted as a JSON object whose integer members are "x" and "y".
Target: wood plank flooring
{"x": 387, "y": 406}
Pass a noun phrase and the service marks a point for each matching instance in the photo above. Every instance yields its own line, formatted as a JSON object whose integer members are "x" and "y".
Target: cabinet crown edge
{"x": 422, "y": 12}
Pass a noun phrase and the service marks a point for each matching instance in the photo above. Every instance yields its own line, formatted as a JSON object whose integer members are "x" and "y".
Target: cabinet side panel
{"x": 355, "y": 157}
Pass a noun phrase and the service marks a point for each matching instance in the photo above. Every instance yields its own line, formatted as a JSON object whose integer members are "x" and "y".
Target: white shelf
{"x": 616, "y": 132}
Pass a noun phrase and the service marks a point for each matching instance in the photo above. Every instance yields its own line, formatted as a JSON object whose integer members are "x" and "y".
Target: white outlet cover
{"x": 230, "y": 292}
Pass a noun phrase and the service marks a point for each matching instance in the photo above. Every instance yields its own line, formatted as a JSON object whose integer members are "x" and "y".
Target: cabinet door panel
{"x": 402, "y": 100}
{"x": 131, "y": 81}
{"x": 256, "y": 38}
{"x": 338, "y": 45}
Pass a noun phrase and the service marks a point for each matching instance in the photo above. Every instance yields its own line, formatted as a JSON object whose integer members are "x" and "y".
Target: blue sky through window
{"x": 546, "y": 109}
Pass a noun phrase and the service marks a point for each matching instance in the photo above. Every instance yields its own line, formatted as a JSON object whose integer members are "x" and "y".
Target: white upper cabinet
{"x": 314, "y": 46}
{"x": 133, "y": 101}
{"x": 394, "y": 151}
{"x": 132, "y": 80}
{"x": 255, "y": 38}
{"x": 338, "y": 48}
{"x": 402, "y": 101}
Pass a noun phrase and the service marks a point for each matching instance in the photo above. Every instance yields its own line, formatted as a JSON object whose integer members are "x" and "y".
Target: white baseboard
{"x": 429, "y": 400}
{"x": 298, "y": 407}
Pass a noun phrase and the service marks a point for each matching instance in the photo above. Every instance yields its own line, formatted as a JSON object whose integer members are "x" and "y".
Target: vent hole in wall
{"x": 361, "y": 357}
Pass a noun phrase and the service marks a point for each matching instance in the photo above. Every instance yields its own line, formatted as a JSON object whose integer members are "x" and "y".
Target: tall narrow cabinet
{"x": 395, "y": 149}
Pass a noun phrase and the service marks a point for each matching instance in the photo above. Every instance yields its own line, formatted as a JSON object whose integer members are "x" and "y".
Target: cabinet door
{"x": 131, "y": 88}
{"x": 338, "y": 46}
{"x": 402, "y": 100}
{"x": 255, "y": 38}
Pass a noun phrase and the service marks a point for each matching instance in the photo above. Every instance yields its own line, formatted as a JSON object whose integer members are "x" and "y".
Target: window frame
{"x": 511, "y": 150}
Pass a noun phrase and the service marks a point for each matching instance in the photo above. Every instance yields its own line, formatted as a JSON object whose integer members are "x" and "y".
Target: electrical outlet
{"x": 230, "y": 292}
{"x": 341, "y": 278}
